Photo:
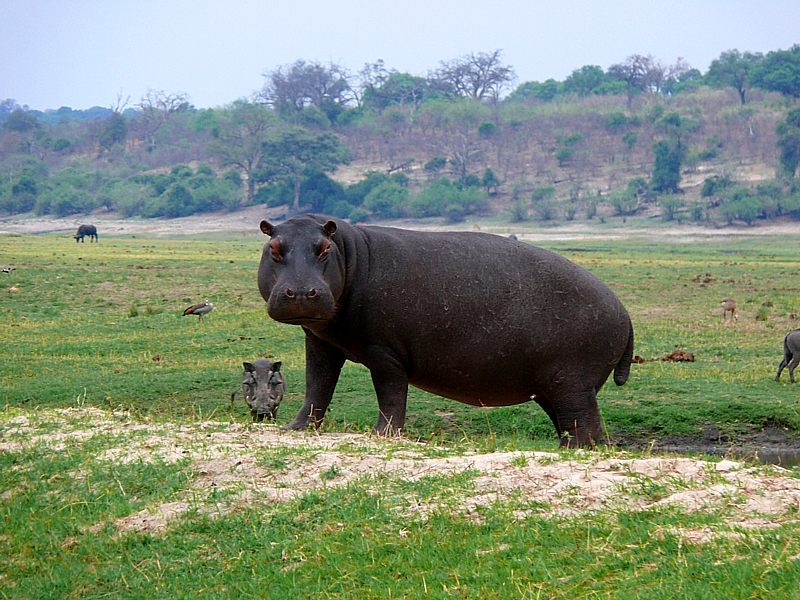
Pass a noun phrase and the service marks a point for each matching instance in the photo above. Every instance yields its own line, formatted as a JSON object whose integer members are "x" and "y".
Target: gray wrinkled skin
{"x": 474, "y": 317}
{"x": 791, "y": 354}
{"x": 263, "y": 386}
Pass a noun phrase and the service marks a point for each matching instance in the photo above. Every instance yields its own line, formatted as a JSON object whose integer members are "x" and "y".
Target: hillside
{"x": 569, "y": 158}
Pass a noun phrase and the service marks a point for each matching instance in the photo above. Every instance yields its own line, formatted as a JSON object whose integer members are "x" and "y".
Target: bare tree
{"x": 634, "y": 72}
{"x": 157, "y": 107}
{"x": 478, "y": 76}
{"x": 291, "y": 88}
{"x": 241, "y": 131}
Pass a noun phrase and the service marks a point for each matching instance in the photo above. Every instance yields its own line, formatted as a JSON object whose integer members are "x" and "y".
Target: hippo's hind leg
{"x": 577, "y": 418}
{"x": 391, "y": 388}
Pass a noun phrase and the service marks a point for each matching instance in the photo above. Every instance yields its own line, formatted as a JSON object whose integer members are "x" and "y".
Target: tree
{"x": 732, "y": 69}
{"x": 477, "y": 76}
{"x": 545, "y": 91}
{"x": 490, "y": 182}
{"x": 115, "y": 131}
{"x": 667, "y": 168}
{"x": 636, "y": 72}
{"x": 585, "y": 81}
{"x": 292, "y": 153}
{"x": 239, "y": 133}
{"x": 289, "y": 89}
{"x": 157, "y": 107}
{"x": 23, "y": 126}
{"x": 405, "y": 91}
{"x": 544, "y": 202}
{"x": 779, "y": 72}
{"x": 789, "y": 142}
{"x": 7, "y": 106}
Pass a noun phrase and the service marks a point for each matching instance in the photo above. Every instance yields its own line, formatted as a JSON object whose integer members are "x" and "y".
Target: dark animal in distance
{"x": 199, "y": 309}
{"x": 729, "y": 306}
{"x": 85, "y": 230}
{"x": 263, "y": 386}
{"x": 791, "y": 354}
{"x": 469, "y": 316}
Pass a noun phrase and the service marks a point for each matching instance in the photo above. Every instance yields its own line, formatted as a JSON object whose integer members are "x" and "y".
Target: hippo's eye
{"x": 275, "y": 250}
{"x": 325, "y": 248}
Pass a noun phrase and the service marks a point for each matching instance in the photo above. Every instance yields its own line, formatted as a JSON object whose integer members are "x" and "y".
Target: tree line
{"x": 476, "y": 141}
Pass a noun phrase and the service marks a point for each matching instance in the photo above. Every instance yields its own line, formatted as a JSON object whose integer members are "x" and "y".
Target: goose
{"x": 199, "y": 309}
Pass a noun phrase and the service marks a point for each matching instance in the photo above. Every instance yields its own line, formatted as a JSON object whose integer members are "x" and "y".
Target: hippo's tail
{"x": 623, "y": 368}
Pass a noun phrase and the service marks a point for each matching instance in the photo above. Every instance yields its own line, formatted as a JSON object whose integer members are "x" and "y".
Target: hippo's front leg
{"x": 323, "y": 365}
{"x": 391, "y": 387}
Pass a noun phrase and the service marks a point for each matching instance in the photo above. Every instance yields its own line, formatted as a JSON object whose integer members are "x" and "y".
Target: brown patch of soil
{"x": 245, "y": 464}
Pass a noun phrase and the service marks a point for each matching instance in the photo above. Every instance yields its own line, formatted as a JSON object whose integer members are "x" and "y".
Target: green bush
{"x": 388, "y": 200}
{"x": 441, "y": 194}
{"x": 356, "y": 193}
{"x": 342, "y": 209}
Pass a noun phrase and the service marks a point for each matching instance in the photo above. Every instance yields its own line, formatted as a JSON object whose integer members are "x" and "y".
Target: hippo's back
{"x": 473, "y": 315}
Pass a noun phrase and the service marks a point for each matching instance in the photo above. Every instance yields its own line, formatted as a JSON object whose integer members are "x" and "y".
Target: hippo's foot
{"x": 296, "y": 425}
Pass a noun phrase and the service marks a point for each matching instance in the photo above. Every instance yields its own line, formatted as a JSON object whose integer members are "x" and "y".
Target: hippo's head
{"x": 301, "y": 275}
{"x": 263, "y": 386}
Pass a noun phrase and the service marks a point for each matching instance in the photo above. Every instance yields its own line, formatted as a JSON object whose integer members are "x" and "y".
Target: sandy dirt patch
{"x": 250, "y": 463}
{"x": 246, "y": 220}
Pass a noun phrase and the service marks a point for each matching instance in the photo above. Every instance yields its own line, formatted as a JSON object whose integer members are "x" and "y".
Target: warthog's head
{"x": 263, "y": 386}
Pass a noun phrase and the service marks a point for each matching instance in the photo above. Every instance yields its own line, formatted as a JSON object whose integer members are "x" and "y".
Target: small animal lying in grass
{"x": 263, "y": 386}
{"x": 791, "y": 354}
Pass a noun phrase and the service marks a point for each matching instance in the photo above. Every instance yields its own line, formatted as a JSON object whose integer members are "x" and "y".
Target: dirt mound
{"x": 265, "y": 465}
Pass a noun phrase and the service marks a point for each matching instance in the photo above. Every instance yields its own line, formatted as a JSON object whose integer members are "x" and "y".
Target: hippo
{"x": 85, "y": 230}
{"x": 469, "y": 316}
{"x": 263, "y": 387}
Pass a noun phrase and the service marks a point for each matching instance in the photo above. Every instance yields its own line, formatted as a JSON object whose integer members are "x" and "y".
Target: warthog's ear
{"x": 248, "y": 367}
{"x": 276, "y": 366}
{"x": 330, "y": 227}
{"x": 266, "y": 227}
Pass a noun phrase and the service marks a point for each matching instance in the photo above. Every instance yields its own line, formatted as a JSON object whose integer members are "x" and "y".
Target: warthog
{"x": 263, "y": 387}
{"x": 85, "y": 230}
{"x": 791, "y": 354}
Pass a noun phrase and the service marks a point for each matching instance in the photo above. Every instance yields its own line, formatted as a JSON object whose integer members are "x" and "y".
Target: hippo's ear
{"x": 266, "y": 227}
{"x": 330, "y": 227}
{"x": 248, "y": 367}
{"x": 276, "y": 366}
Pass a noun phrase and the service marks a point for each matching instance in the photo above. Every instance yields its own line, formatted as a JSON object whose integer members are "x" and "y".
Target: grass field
{"x": 96, "y": 329}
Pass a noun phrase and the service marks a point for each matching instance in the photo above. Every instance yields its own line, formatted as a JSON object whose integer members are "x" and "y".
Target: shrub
{"x": 669, "y": 205}
{"x": 625, "y": 202}
{"x": 341, "y": 209}
{"x": 544, "y": 202}
{"x": 358, "y": 215}
{"x": 356, "y": 193}
{"x": 127, "y": 197}
{"x": 436, "y": 164}
{"x": 388, "y": 200}
{"x": 274, "y": 194}
{"x": 441, "y": 194}
{"x": 518, "y": 211}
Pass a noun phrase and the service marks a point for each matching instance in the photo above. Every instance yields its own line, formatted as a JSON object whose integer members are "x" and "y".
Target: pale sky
{"x": 83, "y": 53}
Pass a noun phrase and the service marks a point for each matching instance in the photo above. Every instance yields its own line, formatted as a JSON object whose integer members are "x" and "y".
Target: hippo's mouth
{"x": 304, "y": 321}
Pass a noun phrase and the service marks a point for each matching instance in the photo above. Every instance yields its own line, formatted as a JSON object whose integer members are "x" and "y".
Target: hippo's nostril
{"x": 312, "y": 293}
{"x": 289, "y": 293}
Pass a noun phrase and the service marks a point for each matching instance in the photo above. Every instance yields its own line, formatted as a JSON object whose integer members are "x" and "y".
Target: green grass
{"x": 69, "y": 336}
{"x": 69, "y": 340}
